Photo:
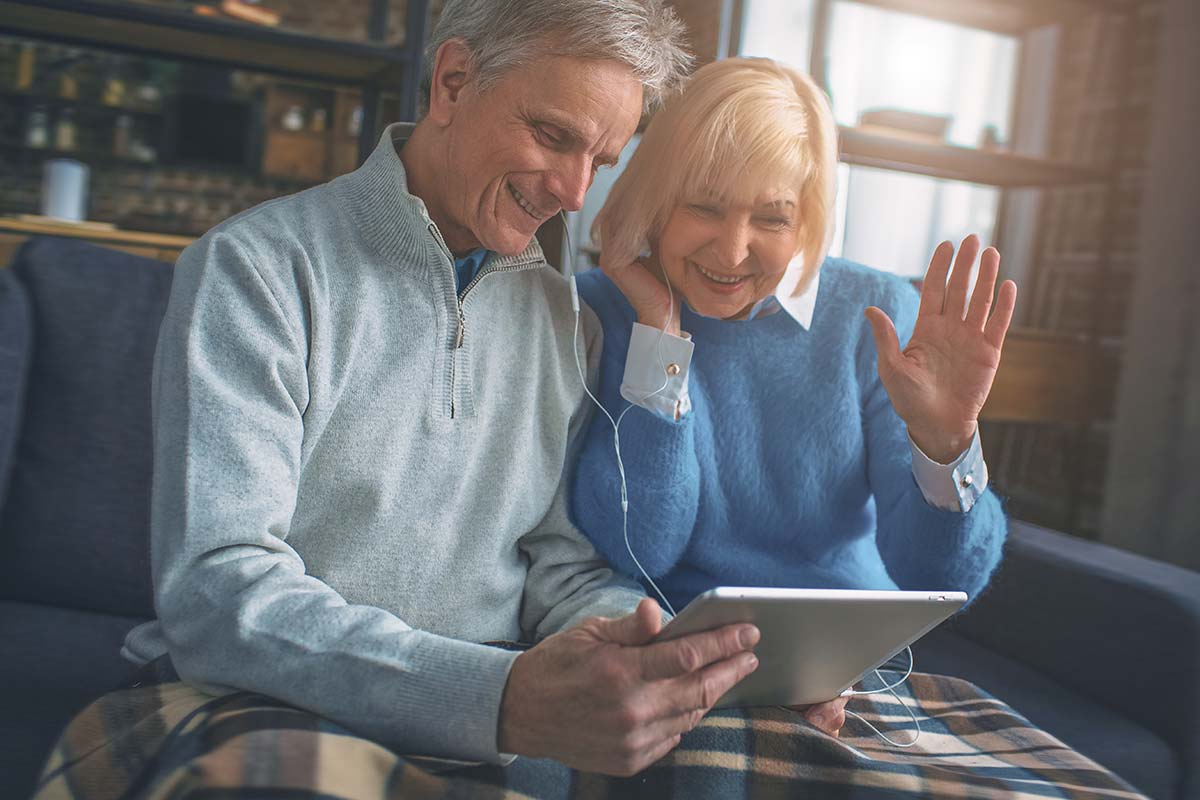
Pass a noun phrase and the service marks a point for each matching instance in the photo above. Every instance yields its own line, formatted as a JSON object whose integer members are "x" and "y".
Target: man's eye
{"x": 552, "y": 136}
{"x": 703, "y": 210}
{"x": 774, "y": 223}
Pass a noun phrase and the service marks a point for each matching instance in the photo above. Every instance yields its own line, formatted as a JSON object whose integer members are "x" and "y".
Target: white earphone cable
{"x": 890, "y": 688}
{"x": 616, "y": 423}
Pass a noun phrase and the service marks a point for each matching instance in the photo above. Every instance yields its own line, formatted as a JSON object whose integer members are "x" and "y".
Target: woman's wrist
{"x": 943, "y": 445}
{"x": 658, "y": 323}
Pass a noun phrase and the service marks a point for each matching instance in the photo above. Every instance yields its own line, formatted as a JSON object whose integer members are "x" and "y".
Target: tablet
{"x": 815, "y": 643}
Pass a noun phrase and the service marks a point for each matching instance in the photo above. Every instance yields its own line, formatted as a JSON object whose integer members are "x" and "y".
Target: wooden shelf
{"x": 950, "y": 162}
{"x": 39, "y": 98}
{"x": 1051, "y": 378}
{"x": 163, "y": 247}
{"x": 108, "y": 235}
{"x": 168, "y": 33}
{"x": 1008, "y": 17}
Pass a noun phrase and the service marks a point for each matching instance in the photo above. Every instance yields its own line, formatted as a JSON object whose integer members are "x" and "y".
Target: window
{"x": 884, "y": 59}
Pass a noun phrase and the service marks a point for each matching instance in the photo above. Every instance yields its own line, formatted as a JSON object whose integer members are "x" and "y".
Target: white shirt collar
{"x": 799, "y": 307}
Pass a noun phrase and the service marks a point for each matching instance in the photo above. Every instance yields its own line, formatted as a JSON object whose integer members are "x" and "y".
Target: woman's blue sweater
{"x": 791, "y": 469}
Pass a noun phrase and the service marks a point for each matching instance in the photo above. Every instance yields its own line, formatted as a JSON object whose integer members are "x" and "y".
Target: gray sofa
{"x": 1099, "y": 647}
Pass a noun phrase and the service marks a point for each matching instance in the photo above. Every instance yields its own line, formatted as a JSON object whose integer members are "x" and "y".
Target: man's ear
{"x": 452, "y": 71}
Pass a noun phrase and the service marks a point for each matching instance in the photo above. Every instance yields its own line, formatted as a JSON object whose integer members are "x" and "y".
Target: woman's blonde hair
{"x": 739, "y": 127}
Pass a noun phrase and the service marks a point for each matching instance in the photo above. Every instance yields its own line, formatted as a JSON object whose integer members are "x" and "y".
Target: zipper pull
{"x": 462, "y": 332}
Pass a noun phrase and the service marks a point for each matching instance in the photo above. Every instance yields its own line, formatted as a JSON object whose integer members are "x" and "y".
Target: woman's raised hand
{"x": 646, "y": 292}
{"x": 939, "y": 382}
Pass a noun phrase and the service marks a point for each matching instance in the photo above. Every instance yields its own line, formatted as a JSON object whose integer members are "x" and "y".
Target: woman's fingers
{"x": 997, "y": 326}
{"x": 933, "y": 288}
{"x": 887, "y": 343}
{"x": 829, "y": 716}
{"x": 956, "y": 290}
{"x": 622, "y": 274}
{"x": 985, "y": 286}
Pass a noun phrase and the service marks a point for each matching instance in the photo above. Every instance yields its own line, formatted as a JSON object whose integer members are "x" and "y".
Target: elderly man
{"x": 365, "y": 402}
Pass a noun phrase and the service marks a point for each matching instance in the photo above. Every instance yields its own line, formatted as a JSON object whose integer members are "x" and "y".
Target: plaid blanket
{"x": 168, "y": 740}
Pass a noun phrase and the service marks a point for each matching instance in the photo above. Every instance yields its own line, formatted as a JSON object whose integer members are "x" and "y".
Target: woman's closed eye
{"x": 774, "y": 223}
{"x": 704, "y": 209}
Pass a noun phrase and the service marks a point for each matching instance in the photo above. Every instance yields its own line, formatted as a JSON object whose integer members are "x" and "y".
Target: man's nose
{"x": 732, "y": 245}
{"x": 569, "y": 182}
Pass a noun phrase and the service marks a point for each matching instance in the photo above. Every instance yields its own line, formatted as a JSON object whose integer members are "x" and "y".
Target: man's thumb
{"x": 637, "y": 628}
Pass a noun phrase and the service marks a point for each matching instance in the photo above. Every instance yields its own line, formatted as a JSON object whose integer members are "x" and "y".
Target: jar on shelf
{"x": 65, "y": 133}
{"x": 114, "y": 86}
{"x": 68, "y": 79}
{"x": 122, "y": 136}
{"x": 25, "y": 67}
{"x": 37, "y": 128}
{"x": 292, "y": 119}
{"x": 318, "y": 120}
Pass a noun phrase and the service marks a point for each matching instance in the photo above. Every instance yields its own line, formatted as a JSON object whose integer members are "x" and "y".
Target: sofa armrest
{"x": 1118, "y": 627}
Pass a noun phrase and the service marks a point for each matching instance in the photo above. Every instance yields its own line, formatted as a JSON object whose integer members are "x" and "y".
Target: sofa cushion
{"x": 16, "y": 343}
{"x": 1116, "y": 626}
{"x": 74, "y": 529}
{"x": 55, "y": 662}
{"x": 1100, "y": 733}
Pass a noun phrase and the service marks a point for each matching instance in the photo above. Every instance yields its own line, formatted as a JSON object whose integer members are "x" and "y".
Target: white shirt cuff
{"x": 654, "y": 359}
{"x": 954, "y": 486}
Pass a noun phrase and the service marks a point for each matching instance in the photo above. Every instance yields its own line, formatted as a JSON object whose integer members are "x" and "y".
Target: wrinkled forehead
{"x": 596, "y": 102}
{"x": 567, "y": 80}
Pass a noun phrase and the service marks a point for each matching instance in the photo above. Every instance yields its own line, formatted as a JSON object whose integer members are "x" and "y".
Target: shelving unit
{"x": 1046, "y": 379}
{"x": 1009, "y": 17}
{"x": 949, "y": 162}
{"x": 175, "y": 34}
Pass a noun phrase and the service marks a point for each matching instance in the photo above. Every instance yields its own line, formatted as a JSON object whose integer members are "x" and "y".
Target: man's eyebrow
{"x": 573, "y": 137}
{"x": 778, "y": 204}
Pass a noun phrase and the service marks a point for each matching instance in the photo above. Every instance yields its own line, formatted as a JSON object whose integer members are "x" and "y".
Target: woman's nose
{"x": 732, "y": 246}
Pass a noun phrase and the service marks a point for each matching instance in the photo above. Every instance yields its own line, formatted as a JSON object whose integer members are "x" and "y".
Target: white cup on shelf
{"x": 64, "y": 189}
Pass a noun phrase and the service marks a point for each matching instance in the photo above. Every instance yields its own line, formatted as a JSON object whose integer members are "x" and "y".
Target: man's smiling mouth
{"x": 525, "y": 205}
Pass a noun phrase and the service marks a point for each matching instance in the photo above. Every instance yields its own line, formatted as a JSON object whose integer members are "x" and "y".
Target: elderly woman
{"x": 780, "y": 443}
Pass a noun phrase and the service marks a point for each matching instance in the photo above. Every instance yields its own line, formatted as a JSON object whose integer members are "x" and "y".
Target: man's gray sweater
{"x": 360, "y": 475}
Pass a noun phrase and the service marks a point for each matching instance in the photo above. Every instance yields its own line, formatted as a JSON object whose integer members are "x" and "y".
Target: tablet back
{"x": 815, "y": 642}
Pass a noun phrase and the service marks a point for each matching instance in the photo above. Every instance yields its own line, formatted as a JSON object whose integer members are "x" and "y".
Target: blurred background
{"x": 1062, "y": 131}
{"x": 1056, "y": 129}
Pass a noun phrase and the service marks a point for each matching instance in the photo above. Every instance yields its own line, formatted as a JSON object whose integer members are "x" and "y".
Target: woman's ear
{"x": 452, "y": 72}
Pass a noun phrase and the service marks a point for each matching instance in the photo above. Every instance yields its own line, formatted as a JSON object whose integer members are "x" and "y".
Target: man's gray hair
{"x": 645, "y": 35}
